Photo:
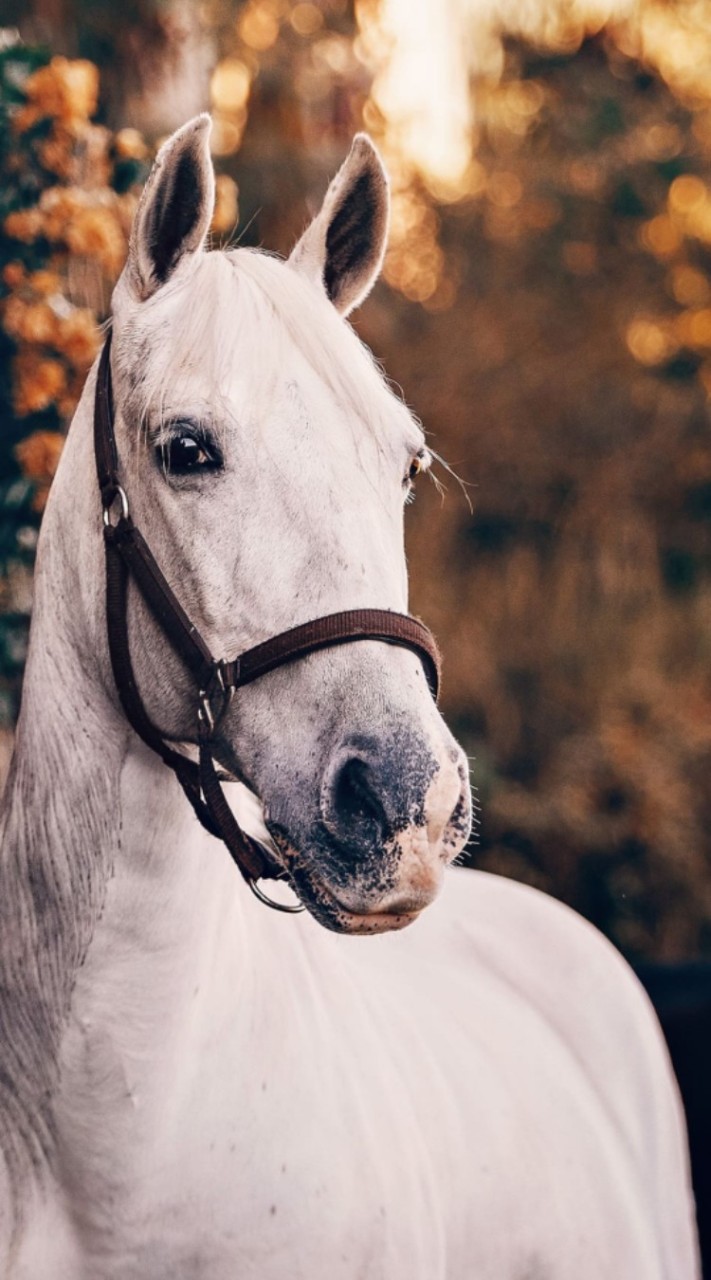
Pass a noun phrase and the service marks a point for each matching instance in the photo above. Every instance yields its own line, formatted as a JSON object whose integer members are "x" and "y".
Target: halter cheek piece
{"x": 217, "y": 679}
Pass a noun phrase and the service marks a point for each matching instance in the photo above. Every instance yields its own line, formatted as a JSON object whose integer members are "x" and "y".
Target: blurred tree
{"x": 47, "y": 342}
{"x": 154, "y": 56}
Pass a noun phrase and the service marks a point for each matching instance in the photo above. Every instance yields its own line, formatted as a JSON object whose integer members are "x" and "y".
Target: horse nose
{"x": 372, "y": 790}
{"x": 354, "y": 803}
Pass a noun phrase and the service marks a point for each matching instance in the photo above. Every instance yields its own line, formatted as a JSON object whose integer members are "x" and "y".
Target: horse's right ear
{"x": 175, "y": 210}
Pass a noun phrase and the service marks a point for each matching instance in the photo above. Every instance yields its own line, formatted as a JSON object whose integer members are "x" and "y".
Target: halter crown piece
{"x": 217, "y": 679}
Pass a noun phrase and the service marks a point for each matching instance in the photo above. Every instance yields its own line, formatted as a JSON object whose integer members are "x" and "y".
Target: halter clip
{"x": 207, "y": 718}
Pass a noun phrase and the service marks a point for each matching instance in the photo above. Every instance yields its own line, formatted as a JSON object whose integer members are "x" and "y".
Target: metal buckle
{"x": 269, "y": 902}
{"x": 120, "y": 493}
{"x": 226, "y": 692}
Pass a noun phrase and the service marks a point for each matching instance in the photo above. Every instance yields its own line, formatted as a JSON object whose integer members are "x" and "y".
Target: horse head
{"x": 268, "y": 465}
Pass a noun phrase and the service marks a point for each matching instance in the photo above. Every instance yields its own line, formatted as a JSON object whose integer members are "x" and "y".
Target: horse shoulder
{"x": 570, "y": 974}
{"x": 560, "y": 966}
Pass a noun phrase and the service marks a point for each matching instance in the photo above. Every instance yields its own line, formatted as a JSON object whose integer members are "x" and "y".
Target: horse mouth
{"x": 324, "y": 904}
{"x": 326, "y": 907}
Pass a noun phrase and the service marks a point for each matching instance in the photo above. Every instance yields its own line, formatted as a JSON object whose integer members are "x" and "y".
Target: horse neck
{"x": 99, "y": 860}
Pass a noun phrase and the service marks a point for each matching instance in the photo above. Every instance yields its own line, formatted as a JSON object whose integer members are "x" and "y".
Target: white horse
{"x": 192, "y": 1086}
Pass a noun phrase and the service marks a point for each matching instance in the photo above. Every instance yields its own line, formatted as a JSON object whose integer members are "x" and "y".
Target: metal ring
{"x": 117, "y": 493}
{"x": 269, "y": 902}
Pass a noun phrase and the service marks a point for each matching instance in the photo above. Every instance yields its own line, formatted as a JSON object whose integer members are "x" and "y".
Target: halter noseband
{"x": 217, "y": 679}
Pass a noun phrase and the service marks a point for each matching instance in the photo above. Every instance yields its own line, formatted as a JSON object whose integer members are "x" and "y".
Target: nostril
{"x": 375, "y": 788}
{"x": 355, "y": 802}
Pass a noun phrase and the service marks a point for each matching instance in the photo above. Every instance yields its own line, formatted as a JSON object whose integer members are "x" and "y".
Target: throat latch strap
{"x": 129, "y": 556}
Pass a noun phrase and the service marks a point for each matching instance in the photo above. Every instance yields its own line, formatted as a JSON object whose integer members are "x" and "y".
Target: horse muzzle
{"x": 391, "y": 817}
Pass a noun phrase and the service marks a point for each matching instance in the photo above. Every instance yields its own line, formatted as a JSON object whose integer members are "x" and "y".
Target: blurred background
{"x": 546, "y": 306}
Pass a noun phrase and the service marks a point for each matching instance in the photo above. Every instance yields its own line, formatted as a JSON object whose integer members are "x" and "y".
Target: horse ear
{"x": 343, "y": 248}
{"x": 175, "y": 210}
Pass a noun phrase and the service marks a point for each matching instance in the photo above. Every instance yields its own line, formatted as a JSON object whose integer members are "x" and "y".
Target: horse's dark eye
{"x": 186, "y": 453}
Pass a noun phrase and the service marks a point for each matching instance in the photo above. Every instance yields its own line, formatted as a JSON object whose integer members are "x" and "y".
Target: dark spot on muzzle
{"x": 372, "y": 789}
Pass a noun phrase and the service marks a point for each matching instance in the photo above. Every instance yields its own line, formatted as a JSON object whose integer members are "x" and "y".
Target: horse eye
{"x": 416, "y": 466}
{"x": 185, "y": 454}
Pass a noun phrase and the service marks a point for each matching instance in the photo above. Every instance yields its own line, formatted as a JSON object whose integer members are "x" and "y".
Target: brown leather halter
{"x": 217, "y": 679}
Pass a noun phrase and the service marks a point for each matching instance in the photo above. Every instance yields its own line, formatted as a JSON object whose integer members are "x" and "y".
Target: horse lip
{"x": 324, "y": 904}
{"x": 350, "y": 919}
{"x": 406, "y": 908}
{"x": 407, "y": 905}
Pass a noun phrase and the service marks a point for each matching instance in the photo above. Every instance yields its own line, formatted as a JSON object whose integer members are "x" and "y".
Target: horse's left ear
{"x": 343, "y": 247}
{"x": 175, "y": 210}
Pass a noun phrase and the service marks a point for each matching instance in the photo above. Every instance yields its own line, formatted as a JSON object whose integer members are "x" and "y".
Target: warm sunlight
{"x": 423, "y": 59}
{"x": 421, "y": 86}
{"x": 424, "y": 55}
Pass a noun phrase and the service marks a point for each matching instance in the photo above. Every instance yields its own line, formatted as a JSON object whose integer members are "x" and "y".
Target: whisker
{"x": 464, "y": 485}
{"x": 438, "y": 484}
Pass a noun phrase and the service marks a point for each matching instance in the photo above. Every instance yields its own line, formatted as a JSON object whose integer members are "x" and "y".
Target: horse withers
{"x": 191, "y": 1085}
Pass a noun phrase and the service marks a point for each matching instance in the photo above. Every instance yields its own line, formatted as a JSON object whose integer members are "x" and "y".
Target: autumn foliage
{"x": 68, "y": 193}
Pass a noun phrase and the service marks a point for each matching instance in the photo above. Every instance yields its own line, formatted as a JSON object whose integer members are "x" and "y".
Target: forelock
{"x": 249, "y": 306}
